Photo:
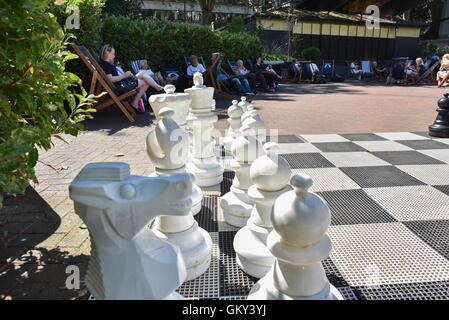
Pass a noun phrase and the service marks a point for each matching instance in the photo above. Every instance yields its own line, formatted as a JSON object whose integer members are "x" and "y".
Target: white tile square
{"x": 328, "y": 179}
{"x": 401, "y": 136}
{"x": 384, "y": 253}
{"x": 411, "y": 203}
{"x": 285, "y": 148}
{"x": 374, "y": 146}
{"x": 354, "y": 159}
{"x": 443, "y": 140}
{"x": 313, "y": 138}
{"x": 433, "y": 174}
{"x": 439, "y": 154}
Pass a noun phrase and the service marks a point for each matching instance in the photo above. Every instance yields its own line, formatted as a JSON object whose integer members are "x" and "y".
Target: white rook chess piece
{"x": 167, "y": 147}
{"x": 234, "y": 113}
{"x": 236, "y": 204}
{"x": 179, "y": 102}
{"x": 299, "y": 242}
{"x": 204, "y": 164}
{"x": 243, "y": 103}
{"x": 127, "y": 260}
{"x": 270, "y": 174}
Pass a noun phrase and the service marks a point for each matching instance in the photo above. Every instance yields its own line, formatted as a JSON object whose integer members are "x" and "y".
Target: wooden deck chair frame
{"x": 445, "y": 79}
{"x": 404, "y": 71}
{"x": 220, "y": 88}
{"x": 100, "y": 82}
{"x": 429, "y": 76}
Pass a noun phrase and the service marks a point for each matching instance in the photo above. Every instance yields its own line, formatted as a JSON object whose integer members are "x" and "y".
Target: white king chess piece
{"x": 179, "y": 102}
{"x": 270, "y": 174}
{"x": 236, "y": 204}
{"x": 243, "y": 103}
{"x": 127, "y": 260}
{"x": 201, "y": 119}
{"x": 234, "y": 113}
{"x": 299, "y": 242}
{"x": 167, "y": 147}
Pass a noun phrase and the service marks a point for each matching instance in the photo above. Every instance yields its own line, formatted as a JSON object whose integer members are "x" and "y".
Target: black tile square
{"x": 405, "y": 157}
{"x": 444, "y": 189}
{"x": 438, "y": 290}
{"x": 434, "y": 232}
{"x": 207, "y": 217}
{"x": 362, "y": 137}
{"x": 380, "y": 176}
{"x": 425, "y": 134}
{"x": 284, "y": 138}
{"x": 338, "y": 147}
{"x": 233, "y": 281}
{"x": 424, "y": 144}
{"x": 354, "y": 207}
{"x": 307, "y": 160}
{"x": 225, "y": 185}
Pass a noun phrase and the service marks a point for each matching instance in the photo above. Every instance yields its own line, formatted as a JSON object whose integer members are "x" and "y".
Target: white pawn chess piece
{"x": 243, "y": 103}
{"x": 236, "y": 204}
{"x": 299, "y": 242}
{"x": 234, "y": 113}
{"x": 247, "y": 113}
{"x": 167, "y": 147}
{"x": 179, "y": 102}
{"x": 270, "y": 174}
{"x": 203, "y": 164}
{"x": 127, "y": 260}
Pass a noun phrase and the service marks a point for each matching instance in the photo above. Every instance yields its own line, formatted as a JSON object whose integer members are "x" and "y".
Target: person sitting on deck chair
{"x": 268, "y": 74}
{"x": 444, "y": 68}
{"x": 241, "y": 83}
{"x": 248, "y": 75}
{"x": 107, "y": 55}
{"x": 195, "y": 67}
{"x": 355, "y": 69}
{"x": 157, "y": 77}
{"x": 418, "y": 71}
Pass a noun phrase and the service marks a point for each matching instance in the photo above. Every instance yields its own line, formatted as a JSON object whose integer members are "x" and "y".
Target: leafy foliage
{"x": 432, "y": 50}
{"x": 36, "y": 93}
{"x": 312, "y": 53}
{"x": 123, "y": 7}
{"x": 236, "y": 25}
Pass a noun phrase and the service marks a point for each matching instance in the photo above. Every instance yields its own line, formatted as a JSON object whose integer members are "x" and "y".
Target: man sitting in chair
{"x": 241, "y": 83}
{"x": 195, "y": 67}
{"x": 248, "y": 75}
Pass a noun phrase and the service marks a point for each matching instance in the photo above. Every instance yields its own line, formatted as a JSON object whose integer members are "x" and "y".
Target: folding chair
{"x": 233, "y": 66}
{"x": 349, "y": 74}
{"x": 429, "y": 76}
{"x": 100, "y": 82}
{"x": 328, "y": 68}
{"x": 367, "y": 69}
{"x": 398, "y": 70}
{"x": 445, "y": 79}
{"x": 214, "y": 69}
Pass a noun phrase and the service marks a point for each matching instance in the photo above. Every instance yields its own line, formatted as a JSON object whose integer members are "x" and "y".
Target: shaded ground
{"x": 41, "y": 234}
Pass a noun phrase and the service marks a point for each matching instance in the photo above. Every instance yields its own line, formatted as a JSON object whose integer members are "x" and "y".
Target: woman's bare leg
{"x": 149, "y": 81}
{"x": 143, "y": 87}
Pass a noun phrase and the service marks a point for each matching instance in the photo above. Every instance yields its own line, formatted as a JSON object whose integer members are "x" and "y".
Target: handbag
{"x": 126, "y": 85}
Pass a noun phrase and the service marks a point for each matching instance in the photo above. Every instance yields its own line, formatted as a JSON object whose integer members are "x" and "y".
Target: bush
{"x": 431, "y": 50}
{"x": 36, "y": 99}
{"x": 236, "y": 25}
{"x": 311, "y": 53}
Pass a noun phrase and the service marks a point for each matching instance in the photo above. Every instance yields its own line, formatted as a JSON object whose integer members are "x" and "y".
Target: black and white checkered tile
{"x": 389, "y": 199}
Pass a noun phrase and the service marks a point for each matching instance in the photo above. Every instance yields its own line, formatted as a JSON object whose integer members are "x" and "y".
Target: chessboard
{"x": 389, "y": 200}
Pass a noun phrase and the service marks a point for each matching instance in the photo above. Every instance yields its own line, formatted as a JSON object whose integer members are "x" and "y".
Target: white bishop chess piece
{"x": 236, "y": 204}
{"x": 243, "y": 103}
{"x": 167, "y": 147}
{"x": 270, "y": 174}
{"x": 234, "y": 113}
{"x": 127, "y": 260}
{"x": 299, "y": 242}
{"x": 204, "y": 165}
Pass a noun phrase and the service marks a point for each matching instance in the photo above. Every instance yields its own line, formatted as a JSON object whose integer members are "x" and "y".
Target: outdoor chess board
{"x": 389, "y": 200}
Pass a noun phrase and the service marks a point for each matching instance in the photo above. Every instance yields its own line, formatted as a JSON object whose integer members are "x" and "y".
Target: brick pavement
{"x": 41, "y": 234}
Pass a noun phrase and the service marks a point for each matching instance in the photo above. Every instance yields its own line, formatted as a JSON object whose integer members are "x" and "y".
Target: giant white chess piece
{"x": 243, "y": 103}
{"x": 127, "y": 260}
{"x": 204, "y": 164}
{"x": 252, "y": 119}
{"x": 234, "y": 113}
{"x": 167, "y": 147}
{"x": 236, "y": 204}
{"x": 299, "y": 242}
{"x": 270, "y": 174}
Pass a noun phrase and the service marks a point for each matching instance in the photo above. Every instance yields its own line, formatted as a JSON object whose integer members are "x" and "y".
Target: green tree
{"x": 123, "y": 7}
{"x": 37, "y": 95}
{"x": 236, "y": 25}
{"x": 207, "y": 6}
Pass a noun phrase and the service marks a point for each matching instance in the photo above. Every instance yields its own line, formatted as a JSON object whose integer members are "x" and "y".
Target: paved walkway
{"x": 41, "y": 234}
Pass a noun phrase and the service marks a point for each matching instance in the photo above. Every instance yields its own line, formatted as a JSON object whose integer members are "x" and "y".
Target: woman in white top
{"x": 156, "y": 77}
{"x": 355, "y": 69}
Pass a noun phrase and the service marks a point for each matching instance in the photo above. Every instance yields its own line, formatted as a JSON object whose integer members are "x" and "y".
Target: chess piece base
{"x": 195, "y": 245}
{"x": 252, "y": 253}
{"x": 264, "y": 289}
{"x": 439, "y": 130}
{"x": 208, "y": 171}
{"x": 236, "y": 211}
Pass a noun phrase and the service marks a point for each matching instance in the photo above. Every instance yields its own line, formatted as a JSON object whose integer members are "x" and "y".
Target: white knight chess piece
{"x": 234, "y": 113}
{"x": 167, "y": 147}
{"x": 299, "y": 242}
{"x": 127, "y": 260}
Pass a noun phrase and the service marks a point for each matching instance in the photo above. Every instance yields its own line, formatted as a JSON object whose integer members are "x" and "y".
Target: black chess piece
{"x": 440, "y": 128}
